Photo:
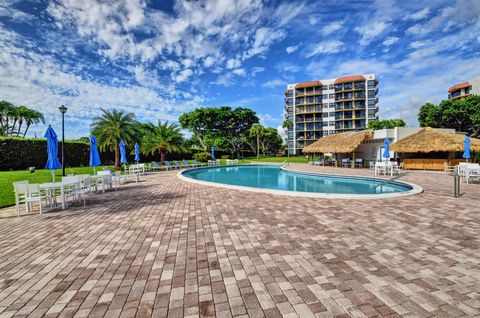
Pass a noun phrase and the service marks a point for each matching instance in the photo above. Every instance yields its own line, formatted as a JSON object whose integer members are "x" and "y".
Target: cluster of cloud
{"x": 131, "y": 54}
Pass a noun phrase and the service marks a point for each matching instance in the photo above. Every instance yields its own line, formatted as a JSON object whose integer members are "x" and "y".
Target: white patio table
{"x": 50, "y": 188}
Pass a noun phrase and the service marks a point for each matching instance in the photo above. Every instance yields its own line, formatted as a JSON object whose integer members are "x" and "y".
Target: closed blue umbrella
{"x": 386, "y": 150}
{"x": 52, "y": 149}
{"x": 213, "y": 153}
{"x": 466, "y": 148}
{"x": 137, "y": 153}
{"x": 123, "y": 152}
{"x": 94, "y": 155}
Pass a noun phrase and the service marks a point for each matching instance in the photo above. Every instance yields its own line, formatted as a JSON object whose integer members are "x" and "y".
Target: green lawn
{"x": 7, "y": 178}
{"x": 302, "y": 159}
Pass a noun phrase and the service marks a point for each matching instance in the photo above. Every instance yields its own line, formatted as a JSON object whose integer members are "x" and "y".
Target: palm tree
{"x": 287, "y": 124}
{"x": 164, "y": 138}
{"x": 6, "y": 109}
{"x": 33, "y": 117}
{"x": 111, "y": 127}
{"x": 256, "y": 131}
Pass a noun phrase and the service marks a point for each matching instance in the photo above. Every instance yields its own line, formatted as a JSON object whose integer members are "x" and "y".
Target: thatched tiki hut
{"x": 343, "y": 143}
{"x": 429, "y": 149}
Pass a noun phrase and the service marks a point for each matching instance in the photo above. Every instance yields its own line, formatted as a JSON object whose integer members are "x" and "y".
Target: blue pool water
{"x": 273, "y": 177}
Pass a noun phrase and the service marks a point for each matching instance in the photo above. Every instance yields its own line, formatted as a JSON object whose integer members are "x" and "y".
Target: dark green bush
{"x": 21, "y": 153}
{"x": 202, "y": 156}
{"x": 225, "y": 157}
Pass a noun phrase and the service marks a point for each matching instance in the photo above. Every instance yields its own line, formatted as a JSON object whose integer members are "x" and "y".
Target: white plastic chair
{"x": 35, "y": 194}
{"x": 21, "y": 194}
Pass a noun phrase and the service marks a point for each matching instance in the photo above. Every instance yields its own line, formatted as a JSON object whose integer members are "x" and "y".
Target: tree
{"x": 223, "y": 123}
{"x": 111, "y": 127}
{"x": 12, "y": 119}
{"x": 459, "y": 114}
{"x": 201, "y": 122}
{"x": 164, "y": 138}
{"x": 33, "y": 117}
{"x": 386, "y": 124}
{"x": 271, "y": 140}
{"x": 287, "y": 124}
{"x": 256, "y": 131}
{"x": 234, "y": 125}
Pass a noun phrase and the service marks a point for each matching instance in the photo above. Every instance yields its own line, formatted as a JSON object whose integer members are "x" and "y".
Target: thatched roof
{"x": 433, "y": 140}
{"x": 345, "y": 142}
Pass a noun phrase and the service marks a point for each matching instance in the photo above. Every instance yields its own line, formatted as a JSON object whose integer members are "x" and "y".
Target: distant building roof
{"x": 458, "y": 86}
{"x": 347, "y": 79}
{"x": 308, "y": 84}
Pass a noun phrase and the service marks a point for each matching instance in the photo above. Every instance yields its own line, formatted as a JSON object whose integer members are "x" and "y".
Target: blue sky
{"x": 159, "y": 59}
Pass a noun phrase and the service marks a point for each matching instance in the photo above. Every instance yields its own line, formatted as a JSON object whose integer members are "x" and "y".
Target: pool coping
{"x": 416, "y": 189}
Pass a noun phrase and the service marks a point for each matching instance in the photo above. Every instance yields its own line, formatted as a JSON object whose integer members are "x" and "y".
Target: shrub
{"x": 225, "y": 157}
{"x": 202, "y": 156}
{"x": 21, "y": 153}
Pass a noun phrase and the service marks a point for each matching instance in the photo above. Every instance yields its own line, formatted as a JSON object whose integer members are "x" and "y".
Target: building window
{"x": 331, "y": 114}
{"x": 371, "y": 84}
{"x": 325, "y": 96}
{"x": 371, "y": 94}
{"x": 331, "y": 96}
{"x": 331, "y": 86}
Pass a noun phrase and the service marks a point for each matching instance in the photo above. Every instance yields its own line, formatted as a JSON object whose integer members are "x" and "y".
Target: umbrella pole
{"x": 94, "y": 170}
{"x": 53, "y": 175}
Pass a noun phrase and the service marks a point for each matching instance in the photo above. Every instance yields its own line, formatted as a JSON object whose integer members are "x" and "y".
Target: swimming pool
{"x": 274, "y": 179}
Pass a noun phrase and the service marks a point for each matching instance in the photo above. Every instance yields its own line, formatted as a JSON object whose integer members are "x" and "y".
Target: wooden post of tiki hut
{"x": 430, "y": 141}
{"x": 343, "y": 143}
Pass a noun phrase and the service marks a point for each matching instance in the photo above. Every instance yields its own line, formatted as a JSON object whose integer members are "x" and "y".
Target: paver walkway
{"x": 165, "y": 247}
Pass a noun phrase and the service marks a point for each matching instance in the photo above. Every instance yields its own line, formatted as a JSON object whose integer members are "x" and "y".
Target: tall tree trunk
{"x": 163, "y": 155}
{"x": 26, "y": 129}
{"x": 258, "y": 145}
{"x": 117, "y": 157}
{"x": 20, "y": 123}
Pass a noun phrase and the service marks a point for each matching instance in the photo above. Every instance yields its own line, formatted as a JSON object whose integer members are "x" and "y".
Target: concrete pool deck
{"x": 165, "y": 247}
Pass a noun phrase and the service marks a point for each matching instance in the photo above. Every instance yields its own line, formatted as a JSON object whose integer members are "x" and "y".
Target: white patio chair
{"x": 448, "y": 169}
{"x": 105, "y": 179}
{"x": 359, "y": 163}
{"x": 21, "y": 194}
{"x": 380, "y": 168}
{"x": 35, "y": 194}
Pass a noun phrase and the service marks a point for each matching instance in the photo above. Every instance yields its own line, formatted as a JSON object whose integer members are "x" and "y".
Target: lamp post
{"x": 63, "y": 110}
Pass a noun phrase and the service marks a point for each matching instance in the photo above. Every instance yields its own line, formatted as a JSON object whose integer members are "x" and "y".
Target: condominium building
{"x": 462, "y": 90}
{"x": 322, "y": 107}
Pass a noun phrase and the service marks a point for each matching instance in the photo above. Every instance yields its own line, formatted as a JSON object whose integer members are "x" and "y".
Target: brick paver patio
{"x": 165, "y": 247}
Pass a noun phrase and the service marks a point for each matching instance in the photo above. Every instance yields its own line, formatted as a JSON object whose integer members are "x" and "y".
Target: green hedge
{"x": 21, "y": 153}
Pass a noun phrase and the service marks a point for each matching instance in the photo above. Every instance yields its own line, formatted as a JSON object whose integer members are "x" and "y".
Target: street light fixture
{"x": 63, "y": 110}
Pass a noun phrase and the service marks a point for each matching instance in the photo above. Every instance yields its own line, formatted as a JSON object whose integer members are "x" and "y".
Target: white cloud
{"x": 287, "y": 67}
{"x": 209, "y": 61}
{"x": 291, "y": 49}
{"x": 233, "y": 63}
{"x": 459, "y": 14}
{"x": 265, "y": 118}
{"x": 264, "y": 37}
{"x": 313, "y": 20}
{"x": 257, "y": 69}
{"x": 239, "y": 72}
{"x": 286, "y": 11}
{"x": 332, "y": 27}
{"x": 390, "y": 40}
{"x": 274, "y": 83}
{"x": 182, "y": 75}
{"x": 371, "y": 31}
{"x": 418, "y": 15}
{"x": 327, "y": 47}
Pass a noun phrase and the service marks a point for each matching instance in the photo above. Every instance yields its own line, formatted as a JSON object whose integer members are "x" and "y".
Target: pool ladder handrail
{"x": 285, "y": 163}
